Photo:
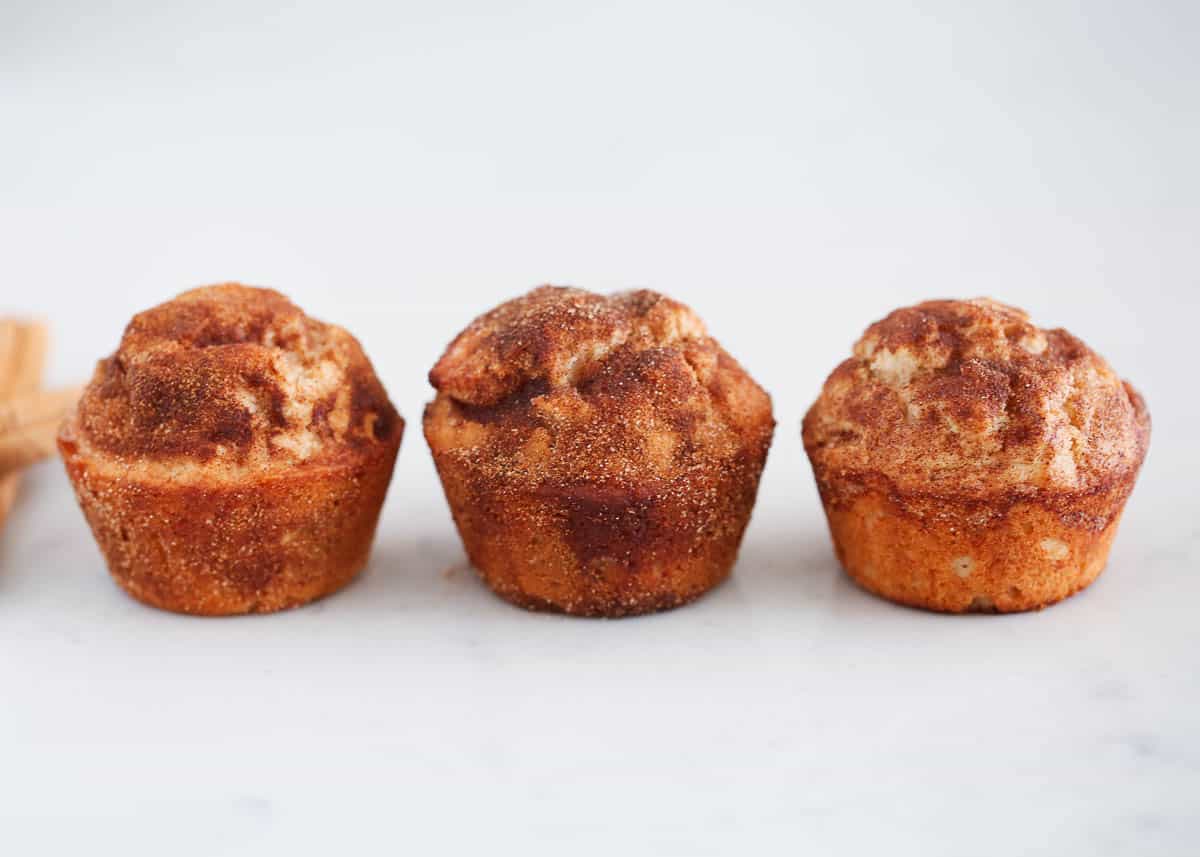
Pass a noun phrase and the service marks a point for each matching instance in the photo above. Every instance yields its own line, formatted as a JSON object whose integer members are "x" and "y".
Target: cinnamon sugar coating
{"x": 953, "y": 419}
{"x": 601, "y": 455}
{"x": 233, "y": 455}
{"x": 234, "y": 375}
{"x": 970, "y": 398}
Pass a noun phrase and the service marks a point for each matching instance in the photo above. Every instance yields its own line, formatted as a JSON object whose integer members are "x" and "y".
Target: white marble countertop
{"x": 786, "y": 703}
{"x": 793, "y": 175}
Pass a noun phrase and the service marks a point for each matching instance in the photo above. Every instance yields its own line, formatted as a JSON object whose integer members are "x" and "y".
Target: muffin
{"x": 600, "y": 455}
{"x": 232, "y": 456}
{"x": 970, "y": 461}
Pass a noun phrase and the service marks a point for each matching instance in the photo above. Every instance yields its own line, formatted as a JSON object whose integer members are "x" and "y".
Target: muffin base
{"x": 598, "y": 551}
{"x": 1023, "y": 556}
{"x": 216, "y": 549}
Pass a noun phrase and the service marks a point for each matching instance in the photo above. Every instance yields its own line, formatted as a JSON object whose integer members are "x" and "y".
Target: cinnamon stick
{"x": 22, "y": 357}
{"x": 29, "y": 426}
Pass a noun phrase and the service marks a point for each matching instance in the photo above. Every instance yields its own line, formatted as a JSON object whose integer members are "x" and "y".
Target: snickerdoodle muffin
{"x": 600, "y": 455}
{"x": 970, "y": 461}
{"x": 232, "y": 456}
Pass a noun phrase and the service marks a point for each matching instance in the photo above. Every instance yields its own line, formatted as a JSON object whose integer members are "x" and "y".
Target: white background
{"x": 793, "y": 171}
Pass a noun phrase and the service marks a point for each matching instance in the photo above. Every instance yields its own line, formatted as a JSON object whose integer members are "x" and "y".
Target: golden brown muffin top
{"x": 566, "y": 386}
{"x": 970, "y": 398}
{"x": 230, "y": 374}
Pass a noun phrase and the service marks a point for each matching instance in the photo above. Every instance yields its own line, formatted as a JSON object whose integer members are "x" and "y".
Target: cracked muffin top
{"x": 970, "y": 398}
{"x": 566, "y": 386}
{"x": 234, "y": 376}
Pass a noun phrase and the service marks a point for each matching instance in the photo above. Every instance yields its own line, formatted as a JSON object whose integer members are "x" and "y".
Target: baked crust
{"x": 968, "y": 460}
{"x": 600, "y": 455}
{"x": 232, "y": 455}
{"x": 234, "y": 378}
